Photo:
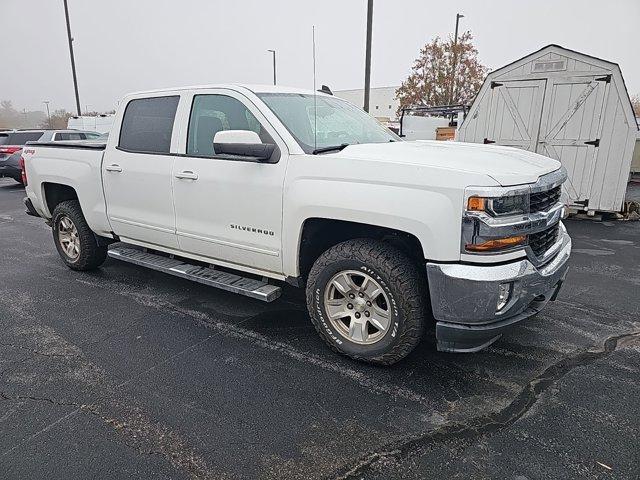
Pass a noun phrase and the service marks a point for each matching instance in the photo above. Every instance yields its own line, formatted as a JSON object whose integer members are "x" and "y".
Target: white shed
{"x": 568, "y": 106}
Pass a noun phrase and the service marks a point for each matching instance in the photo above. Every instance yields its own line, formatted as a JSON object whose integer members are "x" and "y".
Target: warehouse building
{"x": 382, "y": 101}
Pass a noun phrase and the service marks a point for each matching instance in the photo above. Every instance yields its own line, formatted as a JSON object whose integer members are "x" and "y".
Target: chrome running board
{"x": 249, "y": 287}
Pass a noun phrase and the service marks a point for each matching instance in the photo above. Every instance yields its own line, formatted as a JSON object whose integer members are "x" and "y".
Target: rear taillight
{"x": 10, "y": 149}
{"x": 23, "y": 171}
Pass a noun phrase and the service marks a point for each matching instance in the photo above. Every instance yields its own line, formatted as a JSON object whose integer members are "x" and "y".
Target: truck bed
{"x": 75, "y": 165}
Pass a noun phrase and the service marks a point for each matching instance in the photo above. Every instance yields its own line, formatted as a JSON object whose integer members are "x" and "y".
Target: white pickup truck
{"x": 244, "y": 188}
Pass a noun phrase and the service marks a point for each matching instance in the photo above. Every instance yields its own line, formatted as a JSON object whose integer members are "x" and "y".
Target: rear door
{"x": 571, "y": 127}
{"x": 514, "y": 113}
{"x": 137, "y": 172}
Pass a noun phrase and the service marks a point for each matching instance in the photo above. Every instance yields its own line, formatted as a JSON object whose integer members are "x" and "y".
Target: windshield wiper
{"x": 332, "y": 148}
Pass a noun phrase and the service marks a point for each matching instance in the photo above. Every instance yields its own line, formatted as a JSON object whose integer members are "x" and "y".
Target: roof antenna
{"x": 315, "y": 94}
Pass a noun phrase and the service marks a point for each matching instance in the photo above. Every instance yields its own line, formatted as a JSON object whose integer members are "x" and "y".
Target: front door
{"x": 137, "y": 174}
{"x": 514, "y": 115}
{"x": 570, "y": 130}
{"x": 229, "y": 209}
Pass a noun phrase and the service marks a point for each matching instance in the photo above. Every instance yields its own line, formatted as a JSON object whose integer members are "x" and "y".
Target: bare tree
{"x": 10, "y": 117}
{"x": 59, "y": 120}
{"x": 433, "y": 80}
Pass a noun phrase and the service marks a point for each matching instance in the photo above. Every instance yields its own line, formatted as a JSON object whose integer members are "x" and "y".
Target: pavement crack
{"x": 150, "y": 438}
{"x": 487, "y": 424}
{"x": 137, "y": 432}
{"x": 17, "y": 398}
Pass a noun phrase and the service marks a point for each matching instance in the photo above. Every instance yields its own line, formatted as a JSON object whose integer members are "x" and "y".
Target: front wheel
{"x": 368, "y": 300}
{"x": 74, "y": 240}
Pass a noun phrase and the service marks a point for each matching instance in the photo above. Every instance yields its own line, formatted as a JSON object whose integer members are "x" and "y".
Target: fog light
{"x": 504, "y": 294}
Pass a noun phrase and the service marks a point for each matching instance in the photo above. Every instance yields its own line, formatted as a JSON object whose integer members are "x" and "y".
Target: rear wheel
{"x": 368, "y": 300}
{"x": 74, "y": 240}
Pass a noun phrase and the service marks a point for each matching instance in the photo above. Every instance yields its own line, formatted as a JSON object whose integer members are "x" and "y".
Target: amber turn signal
{"x": 496, "y": 244}
{"x": 476, "y": 204}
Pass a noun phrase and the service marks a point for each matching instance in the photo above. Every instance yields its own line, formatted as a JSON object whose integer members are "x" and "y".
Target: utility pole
{"x": 46, "y": 102}
{"x": 455, "y": 59}
{"x": 274, "y": 65}
{"x": 26, "y": 122}
{"x": 73, "y": 61}
{"x": 367, "y": 60}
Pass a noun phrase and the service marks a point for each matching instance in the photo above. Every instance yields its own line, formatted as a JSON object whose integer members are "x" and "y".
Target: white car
{"x": 243, "y": 188}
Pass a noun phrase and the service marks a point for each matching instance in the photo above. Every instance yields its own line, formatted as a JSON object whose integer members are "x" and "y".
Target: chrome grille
{"x": 542, "y": 241}
{"x": 542, "y": 201}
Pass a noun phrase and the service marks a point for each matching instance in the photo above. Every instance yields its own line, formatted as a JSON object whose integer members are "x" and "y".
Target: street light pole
{"x": 46, "y": 102}
{"x": 455, "y": 59}
{"x": 73, "y": 61}
{"x": 367, "y": 59}
{"x": 274, "y": 65}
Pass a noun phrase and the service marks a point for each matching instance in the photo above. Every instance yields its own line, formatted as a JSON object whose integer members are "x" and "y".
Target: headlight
{"x": 496, "y": 209}
{"x": 501, "y": 206}
{"x": 497, "y": 244}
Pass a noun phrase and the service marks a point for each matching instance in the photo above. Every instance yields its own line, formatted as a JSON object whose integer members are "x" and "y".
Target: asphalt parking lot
{"x": 126, "y": 372}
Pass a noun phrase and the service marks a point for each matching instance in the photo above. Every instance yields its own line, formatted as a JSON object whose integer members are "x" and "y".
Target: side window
{"x": 148, "y": 123}
{"x": 213, "y": 113}
{"x": 69, "y": 136}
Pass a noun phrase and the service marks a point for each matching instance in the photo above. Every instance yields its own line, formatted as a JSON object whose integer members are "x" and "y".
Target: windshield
{"x": 337, "y": 122}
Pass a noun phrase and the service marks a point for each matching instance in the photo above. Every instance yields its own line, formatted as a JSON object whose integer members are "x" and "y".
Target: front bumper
{"x": 464, "y": 297}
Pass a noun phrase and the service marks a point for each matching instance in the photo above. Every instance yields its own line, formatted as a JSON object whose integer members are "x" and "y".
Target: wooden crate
{"x": 445, "y": 133}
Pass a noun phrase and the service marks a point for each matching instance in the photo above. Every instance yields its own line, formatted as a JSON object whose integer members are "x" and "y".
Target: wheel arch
{"x": 318, "y": 234}
{"x": 55, "y": 193}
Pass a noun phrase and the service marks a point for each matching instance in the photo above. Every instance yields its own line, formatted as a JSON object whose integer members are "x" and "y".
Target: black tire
{"x": 91, "y": 255}
{"x": 402, "y": 282}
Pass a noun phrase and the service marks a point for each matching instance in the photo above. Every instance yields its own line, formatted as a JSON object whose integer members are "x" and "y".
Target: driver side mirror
{"x": 242, "y": 143}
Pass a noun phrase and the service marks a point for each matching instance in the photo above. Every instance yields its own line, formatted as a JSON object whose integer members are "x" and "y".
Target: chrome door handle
{"x": 187, "y": 174}
{"x": 113, "y": 168}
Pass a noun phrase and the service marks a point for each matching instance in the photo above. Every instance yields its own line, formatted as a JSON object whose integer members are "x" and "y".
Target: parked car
{"x": 384, "y": 234}
{"x": 10, "y": 150}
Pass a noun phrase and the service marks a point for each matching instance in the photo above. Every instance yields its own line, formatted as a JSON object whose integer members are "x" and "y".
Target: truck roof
{"x": 235, "y": 86}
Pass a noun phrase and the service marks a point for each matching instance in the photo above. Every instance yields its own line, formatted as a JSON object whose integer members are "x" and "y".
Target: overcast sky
{"x": 130, "y": 45}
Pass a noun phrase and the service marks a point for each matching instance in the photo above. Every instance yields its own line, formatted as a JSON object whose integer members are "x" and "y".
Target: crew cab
{"x": 247, "y": 187}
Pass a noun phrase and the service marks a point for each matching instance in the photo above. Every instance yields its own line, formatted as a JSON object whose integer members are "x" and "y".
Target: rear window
{"x": 147, "y": 124}
{"x": 20, "y": 138}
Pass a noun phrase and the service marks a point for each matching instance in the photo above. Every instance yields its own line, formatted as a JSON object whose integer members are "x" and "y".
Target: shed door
{"x": 570, "y": 130}
{"x": 514, "y": 113}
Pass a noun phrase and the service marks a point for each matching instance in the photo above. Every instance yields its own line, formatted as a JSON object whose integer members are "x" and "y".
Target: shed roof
{"x": 554, "y": 46}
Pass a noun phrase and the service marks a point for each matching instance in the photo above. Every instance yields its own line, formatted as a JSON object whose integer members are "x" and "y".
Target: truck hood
{"x": 506, "y": 165}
